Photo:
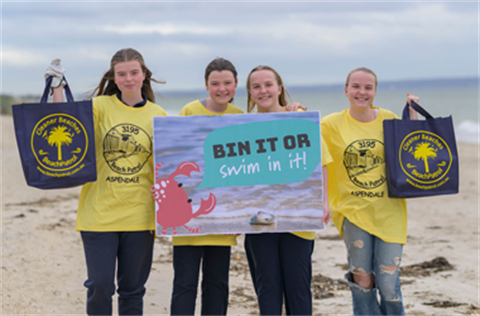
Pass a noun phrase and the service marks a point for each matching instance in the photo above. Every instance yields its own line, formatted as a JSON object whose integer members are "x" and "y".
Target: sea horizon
{"x": 428, "y": 83}
{"x": 456, "y": 97}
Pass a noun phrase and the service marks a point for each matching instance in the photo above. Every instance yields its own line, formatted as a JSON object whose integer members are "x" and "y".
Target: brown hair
{"x": 107, "y": 84}
{"x": 282, "y": 100}
{"x": 363, "y": 69}
{"x": 219, "y": 64}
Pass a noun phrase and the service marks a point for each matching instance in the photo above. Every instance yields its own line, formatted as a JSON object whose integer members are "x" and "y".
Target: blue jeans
{"x": 281, "y": 267}
{"x": 369, "y": 254}
{"x": 215, "y": 269}
{"x": 131, "y": 254}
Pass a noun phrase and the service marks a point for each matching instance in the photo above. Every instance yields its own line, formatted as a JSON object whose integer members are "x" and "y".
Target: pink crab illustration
{"x": 172, "y": 205}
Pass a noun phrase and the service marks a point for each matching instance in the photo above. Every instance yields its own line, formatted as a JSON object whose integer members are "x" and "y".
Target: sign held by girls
{"x": 263, "y": 172}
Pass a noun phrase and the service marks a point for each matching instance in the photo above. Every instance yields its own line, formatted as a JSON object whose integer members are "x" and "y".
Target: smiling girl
{"x": 374, "y": 226}
{"x": 211, "y": 252}
{"x": 220, "y": 82}
{"x": 280, "y": 263}
{"x": 116, "y": 214}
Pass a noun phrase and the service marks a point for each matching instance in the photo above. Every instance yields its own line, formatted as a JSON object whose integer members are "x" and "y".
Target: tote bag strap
{"x": 48, "y": 83}
{"x": 418, "y": 108}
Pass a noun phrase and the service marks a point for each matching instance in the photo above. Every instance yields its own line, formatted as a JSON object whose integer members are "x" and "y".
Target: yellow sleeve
{"x": 184, "y": 111}
{"x": 326, "y": 157}
{"x": 233, "y": 109}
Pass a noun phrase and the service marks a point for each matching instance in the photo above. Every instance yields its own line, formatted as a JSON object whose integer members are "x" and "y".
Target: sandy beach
{"x": 43, "y": 267}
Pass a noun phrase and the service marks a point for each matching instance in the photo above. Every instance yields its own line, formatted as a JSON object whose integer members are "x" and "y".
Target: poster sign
{"x": 238, "y": 174}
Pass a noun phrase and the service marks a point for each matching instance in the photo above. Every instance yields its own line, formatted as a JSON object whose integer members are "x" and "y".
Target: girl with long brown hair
{"x": 116, "y": 214}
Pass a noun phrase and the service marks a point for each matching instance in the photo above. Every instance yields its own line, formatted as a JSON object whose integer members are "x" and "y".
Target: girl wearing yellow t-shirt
{"x": 374, "y": 226}
{"x": 116, "y": 218}
{"x": 211, "y": 252}
{"x": 280, "y": 263}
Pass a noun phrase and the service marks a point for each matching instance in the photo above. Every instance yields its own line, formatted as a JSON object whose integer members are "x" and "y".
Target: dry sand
{"x": 43, "y": 268}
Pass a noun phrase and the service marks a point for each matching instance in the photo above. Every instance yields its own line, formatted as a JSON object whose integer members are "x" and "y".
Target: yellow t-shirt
{"x": 120, "y": 199}
{"x": 197, "y": 108}
{"x": 357, "y": 187}
{"x": 326, "y": 159}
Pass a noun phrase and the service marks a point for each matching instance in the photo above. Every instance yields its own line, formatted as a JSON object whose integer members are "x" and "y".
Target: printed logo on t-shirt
{"x": 364, "y": 162}
{"x": 126, "y": 148}
{"x": 426, "y": 159}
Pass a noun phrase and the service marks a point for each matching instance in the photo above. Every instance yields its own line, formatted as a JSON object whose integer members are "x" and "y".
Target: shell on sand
{"x": 262, "y": 218}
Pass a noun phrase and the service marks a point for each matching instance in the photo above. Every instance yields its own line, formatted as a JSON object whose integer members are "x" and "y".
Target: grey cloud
{"x": 308, "y": 41}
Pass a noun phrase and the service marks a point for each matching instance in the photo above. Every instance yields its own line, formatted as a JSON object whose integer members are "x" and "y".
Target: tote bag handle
{"x": 418, "y": 108}
{"x": 48, "y": 83}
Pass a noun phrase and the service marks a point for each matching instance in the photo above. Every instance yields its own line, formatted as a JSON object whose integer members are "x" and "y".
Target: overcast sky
{"x": 308, "y": 43}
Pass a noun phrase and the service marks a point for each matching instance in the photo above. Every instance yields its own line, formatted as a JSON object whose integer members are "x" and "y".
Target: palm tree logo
{"x": 59, "y": 136}
{"x": 423, "y": 151}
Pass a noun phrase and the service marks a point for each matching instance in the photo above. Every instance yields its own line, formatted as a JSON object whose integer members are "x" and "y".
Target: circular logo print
{"x": 425, "y": 157}
{"x": 59, "y": 142}
{"x": 364, "y": 162}
{"x": 126, "y": 148}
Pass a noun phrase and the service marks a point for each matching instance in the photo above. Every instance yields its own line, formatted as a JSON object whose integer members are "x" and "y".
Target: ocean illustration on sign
{"x": 236, "y": 174}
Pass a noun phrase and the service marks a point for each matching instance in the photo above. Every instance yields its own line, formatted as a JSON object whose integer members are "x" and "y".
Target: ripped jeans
{"x": 369, "y": 254}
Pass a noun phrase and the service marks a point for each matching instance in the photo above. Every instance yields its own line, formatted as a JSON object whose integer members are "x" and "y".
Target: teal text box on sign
{"x": 268, "y": 152}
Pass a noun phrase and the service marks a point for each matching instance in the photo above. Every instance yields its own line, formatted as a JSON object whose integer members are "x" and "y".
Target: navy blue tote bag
{"x": 420, "y": 155}
{"x": 56, "y": 141}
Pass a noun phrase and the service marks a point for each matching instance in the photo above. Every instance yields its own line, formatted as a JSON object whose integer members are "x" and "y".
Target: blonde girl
{"x": 280, "y": 263}
{"x": 374, "y": 226}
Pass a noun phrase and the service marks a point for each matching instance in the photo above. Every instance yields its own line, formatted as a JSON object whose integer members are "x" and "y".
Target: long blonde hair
{"x": 282, "y": 98}
{"x": 107, "y": 85}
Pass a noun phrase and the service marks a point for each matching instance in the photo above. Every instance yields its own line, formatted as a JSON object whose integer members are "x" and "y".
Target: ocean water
{"x": 462, "y": 103}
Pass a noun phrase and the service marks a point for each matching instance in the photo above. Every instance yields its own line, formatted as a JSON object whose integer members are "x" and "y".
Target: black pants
{"x": 215, "y": 268}
{"x": 134, "y": 251}
{"x": 281, "y": 266}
